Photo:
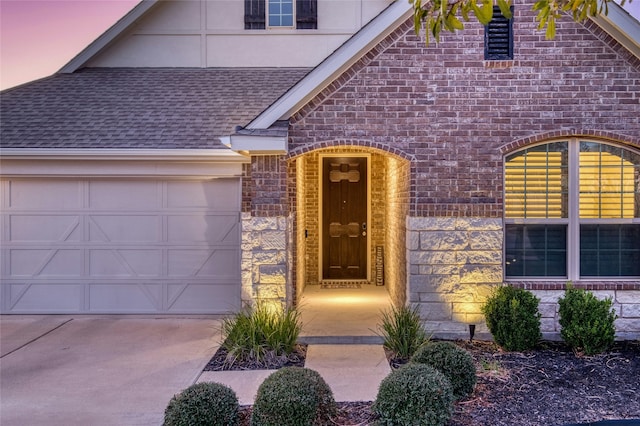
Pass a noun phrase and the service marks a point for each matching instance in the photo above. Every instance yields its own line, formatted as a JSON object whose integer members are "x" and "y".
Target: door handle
{"x": 364, "y": 229}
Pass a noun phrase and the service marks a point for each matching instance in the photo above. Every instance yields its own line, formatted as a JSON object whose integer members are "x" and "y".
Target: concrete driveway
{"x": 57, "y": 370}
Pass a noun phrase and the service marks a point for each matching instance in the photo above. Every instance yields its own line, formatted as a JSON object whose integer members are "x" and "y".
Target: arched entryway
{"x": 375, "y": 185}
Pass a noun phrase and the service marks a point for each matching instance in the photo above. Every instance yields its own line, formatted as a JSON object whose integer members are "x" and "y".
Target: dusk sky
{"x": 38, "y": 37}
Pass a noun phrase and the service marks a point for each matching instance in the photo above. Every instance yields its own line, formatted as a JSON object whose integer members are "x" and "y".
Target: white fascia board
{"x": 623, "y": 27}
{"x": 258, "y": 145}
{"x": 338, "y": 62}
{"x": 199, "y": 155}
{"x": 108, "y": 36}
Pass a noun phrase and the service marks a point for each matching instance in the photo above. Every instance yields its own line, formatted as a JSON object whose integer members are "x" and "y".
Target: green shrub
{"x": 203, "y": 404}
{"x": 452, "y": 361}
{"x": 260, "y": 332}
{"x": 587, "y": 323}
{"x": 293, "y": 396}
{"x": 414, "y": 394}
{"x": 402, "y": 331}
{"x": 513, "y": 318}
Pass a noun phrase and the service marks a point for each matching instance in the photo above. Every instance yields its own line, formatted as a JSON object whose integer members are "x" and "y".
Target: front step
{"x": 341, "y": 340}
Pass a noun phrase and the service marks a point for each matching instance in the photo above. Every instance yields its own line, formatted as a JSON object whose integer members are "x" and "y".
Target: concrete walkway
{"x": 353, "y": 372}
{"x": 118, "y": 370}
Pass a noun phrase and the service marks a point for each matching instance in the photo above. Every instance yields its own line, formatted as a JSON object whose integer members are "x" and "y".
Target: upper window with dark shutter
{"x": 254, "y": 14}
{"x": 307, "y": 14}
{"x": 498, "y": 37}
{"x": 261, "y": 14}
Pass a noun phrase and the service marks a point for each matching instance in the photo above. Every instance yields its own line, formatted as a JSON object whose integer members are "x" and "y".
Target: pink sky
{"x": 38, "y": 37}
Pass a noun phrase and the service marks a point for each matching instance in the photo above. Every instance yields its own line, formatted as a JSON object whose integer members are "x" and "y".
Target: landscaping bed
{"x": 546, "y": 386}
{"x": 220, "y": 362}
{"x": 551, "y": 386}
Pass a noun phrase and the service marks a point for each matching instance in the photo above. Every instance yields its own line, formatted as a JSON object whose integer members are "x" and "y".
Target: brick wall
{"x": 453, "y": 116}
{"x": 396, "y": 209}
{"x": 300, "y": 222}
{"x": 265, "y": 186}
{"x": 454, "y": 111}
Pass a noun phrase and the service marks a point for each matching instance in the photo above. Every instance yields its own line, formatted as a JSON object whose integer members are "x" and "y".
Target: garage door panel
{"x": 217, "y": 195}
{"x": 124, "y": 195}
{"x": 125, "y": 228}
{"x": 49, "y": 297}
{"x": 213, "y": 229}
{"x": 216, "y": 262}
{"x": 26, "y": 263}
{"x": 125, "y": 263}
{"x": 200, "y": 298}
{"x": 57, "y": 195}
{"x": 125, "y": 297}
{"x": 45, "y": 263}
{"x": 44, "y": 228}
{"x": 120, "y": 246}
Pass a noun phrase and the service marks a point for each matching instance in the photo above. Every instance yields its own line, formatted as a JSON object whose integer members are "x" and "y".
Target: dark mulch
{"x": 221, "y": 361}
{"x": 549, "y": 386}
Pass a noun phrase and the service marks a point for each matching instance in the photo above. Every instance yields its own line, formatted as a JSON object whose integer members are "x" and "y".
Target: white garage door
{"x": 120, "y": 246}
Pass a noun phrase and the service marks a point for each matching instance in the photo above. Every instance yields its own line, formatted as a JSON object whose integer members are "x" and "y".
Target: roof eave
{"x": 623, "y": 27}
{"x": 256, "y": 145}
{"x": 124, "y": 154}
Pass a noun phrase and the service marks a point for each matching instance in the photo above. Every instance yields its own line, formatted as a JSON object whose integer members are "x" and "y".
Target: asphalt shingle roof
{"x": 138, "y": 108}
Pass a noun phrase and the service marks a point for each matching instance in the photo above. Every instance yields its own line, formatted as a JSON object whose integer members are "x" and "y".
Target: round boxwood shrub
{"x": 587, "y": 323}
{"x": 414, "y": 394}
{"x": 452, "y": 361}
{"x": 203, "y": 404}
{"x": 293, "y": 396}
{"x": 513, "y": 318}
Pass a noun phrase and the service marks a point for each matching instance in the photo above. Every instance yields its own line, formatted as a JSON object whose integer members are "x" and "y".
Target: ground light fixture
{"x": 472, "y": 331}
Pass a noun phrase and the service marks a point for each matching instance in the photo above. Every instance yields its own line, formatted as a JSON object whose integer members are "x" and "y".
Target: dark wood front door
{"x": 344, "y": 218}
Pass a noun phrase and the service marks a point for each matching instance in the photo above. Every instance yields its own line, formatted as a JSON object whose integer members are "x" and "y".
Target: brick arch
{"x": 350, "y": 143}
{"x": 572, "y": 133}
{"x": 398, "y": 201}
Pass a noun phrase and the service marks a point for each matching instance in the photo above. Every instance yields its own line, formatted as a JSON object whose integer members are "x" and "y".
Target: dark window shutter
{"x": 498, "y": 37}
{"x": 254, "y": 14}
{"x": 307, "y": 14}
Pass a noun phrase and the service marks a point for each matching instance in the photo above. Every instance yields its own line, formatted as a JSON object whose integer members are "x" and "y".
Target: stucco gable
{"x": 211, "y": 34}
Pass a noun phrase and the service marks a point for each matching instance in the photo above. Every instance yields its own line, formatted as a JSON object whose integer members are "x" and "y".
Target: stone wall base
{"x": 265, "y": 270}
{"x": 625, "y": 302}
{"x": 453, "y": 265}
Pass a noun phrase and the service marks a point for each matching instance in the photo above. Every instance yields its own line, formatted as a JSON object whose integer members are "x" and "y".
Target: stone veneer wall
{"x": 625, "y": 302}
{"x": 453, "y": 264}
{"x": 264, "y": 270}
